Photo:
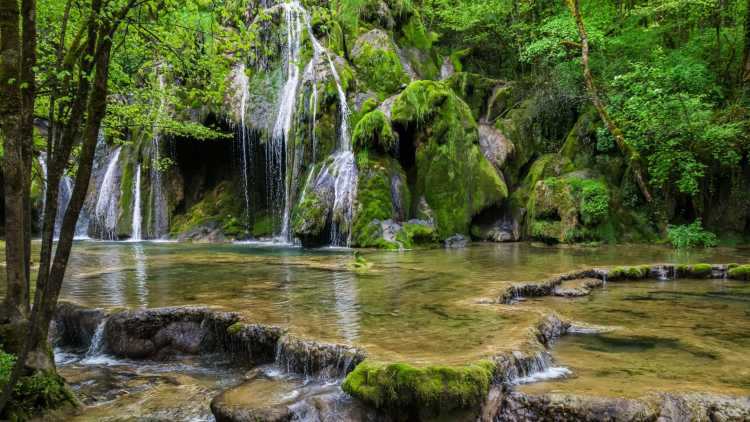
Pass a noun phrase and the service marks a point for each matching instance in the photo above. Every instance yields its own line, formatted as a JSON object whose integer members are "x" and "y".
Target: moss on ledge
{"x": 419, "y": 392}
{"x": 629, "y": 273}
{"x": 741, "y": 272}
{"x": 222, "y": 205}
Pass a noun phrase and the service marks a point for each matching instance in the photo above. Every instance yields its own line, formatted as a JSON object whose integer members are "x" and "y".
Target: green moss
{"x": 701, "y": 270}
{"x": 416, "y": 234}
{"x": 380, "y": 69}
{"x": 741, "y": 272}
{"x": 34, "y": 394}
{"x": 374, "y": 131}
{"x": 405, "y": 390}
{"x": 453, "y": 175}
{"x": 477, "y": 90}
{"x": 263, "y": 226}
{"x": 222, "y": 205}
{"x": 235, "y": 328}
{"x": 629, "y": 273}
{"x": 310, "y": 216}
{"x": 375, "y": 199}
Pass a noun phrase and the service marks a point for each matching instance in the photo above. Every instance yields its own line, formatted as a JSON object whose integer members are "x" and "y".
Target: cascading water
{"x": 137, "y": 216}
{"x": 96, "y": 347}
{"x": 245, "y": 146}
{"x": 64, "y": 194}
{"x": 106, "y": 209}
{"x": 283, "y": 157}
{"x": 159, "y": 217}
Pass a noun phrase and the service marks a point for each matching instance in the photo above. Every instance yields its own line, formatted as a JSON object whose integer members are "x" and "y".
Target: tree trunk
{"x": 746, "y": 61}
{"x": 631, "y": 155}
{"x": 16, "y": 304}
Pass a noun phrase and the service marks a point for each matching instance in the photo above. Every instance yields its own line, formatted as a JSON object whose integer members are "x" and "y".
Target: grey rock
{"x": 457, "y": 241}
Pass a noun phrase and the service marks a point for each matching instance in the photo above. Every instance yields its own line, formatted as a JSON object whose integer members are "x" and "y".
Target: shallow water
{"x": 424, "y": 306}
{"x": 419, "y": 306}
{"x": 680, "y": 336}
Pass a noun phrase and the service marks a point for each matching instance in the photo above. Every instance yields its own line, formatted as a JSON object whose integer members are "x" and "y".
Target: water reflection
{"x": 141, "y": 286}
{"x": 347, "y": 309}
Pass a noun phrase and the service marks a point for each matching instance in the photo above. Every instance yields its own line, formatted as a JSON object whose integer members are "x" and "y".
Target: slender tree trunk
{"x": 746, "y": 59}
{"x": 16, "y": 304}
{"x": 28, "y": 97}
{"x": 631, "y": 155}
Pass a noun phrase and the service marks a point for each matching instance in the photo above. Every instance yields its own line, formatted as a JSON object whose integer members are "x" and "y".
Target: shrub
{"x": 691, "y": 236}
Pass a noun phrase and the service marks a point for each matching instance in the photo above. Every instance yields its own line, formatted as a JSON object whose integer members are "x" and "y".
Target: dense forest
{"x": 384, "y": 124}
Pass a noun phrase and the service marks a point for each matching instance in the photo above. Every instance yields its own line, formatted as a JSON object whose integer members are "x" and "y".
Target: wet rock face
{"x": 160, "y": 333}
{"x": 317, "y": 359}
{"x": 210, "y": 232}
{"x": 74, "y": 325}
{"x": 495, "y": 146}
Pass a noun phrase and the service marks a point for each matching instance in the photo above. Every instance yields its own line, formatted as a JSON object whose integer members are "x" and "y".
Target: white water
{"x": 106, "y": 209}
{"x": 159, "y": 207}
{"x": 96, "y": 348}
{"x": 137, "y": 216}
{"x": 63, "y": 196}
{"x": 344, "y": 171}
{"x": 280, "y": 150}
{"x": 553, "y": 372}
{"x": 243, "y": 81}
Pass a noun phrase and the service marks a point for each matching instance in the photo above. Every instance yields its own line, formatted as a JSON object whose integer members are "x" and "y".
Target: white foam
{"x": 553, "y": 372}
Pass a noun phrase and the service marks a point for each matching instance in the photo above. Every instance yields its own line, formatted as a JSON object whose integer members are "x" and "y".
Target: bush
{"x": 691, "y": 236}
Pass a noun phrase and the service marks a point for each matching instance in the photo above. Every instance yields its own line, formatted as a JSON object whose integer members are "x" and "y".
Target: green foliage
{"x": 32, "y": 394}
{"x": 691, "y": 235}
{"x": 374, "y": 131}
{"x": 406, "y": 390}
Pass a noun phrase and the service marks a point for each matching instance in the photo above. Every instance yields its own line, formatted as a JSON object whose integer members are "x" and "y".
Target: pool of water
{"x": 421, "y": 307}
{"x": 418, "y": 306}
{"x": 679, "y": 336}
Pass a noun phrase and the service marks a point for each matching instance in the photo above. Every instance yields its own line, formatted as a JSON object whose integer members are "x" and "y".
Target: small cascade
{"x": 63, "y": 196}
{"x": 96, "y": 348}
{"x": 137, "y": 216}
{"x": 316, "y": 360}
{"x": 525, "y": 369}
{"x": 107, "y": 201}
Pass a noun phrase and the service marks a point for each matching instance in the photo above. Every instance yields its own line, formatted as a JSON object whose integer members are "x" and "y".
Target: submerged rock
{"x": 517, "y": 406}
{"x": 457, "y": 241}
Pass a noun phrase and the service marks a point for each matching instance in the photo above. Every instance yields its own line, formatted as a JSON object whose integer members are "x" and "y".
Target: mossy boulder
{"x": 567, "y": 209}
{"x": 488, "y": 98}
{"x": 740, "y": 272}
{"x": 377, "y": 62}
{"x": 374, "y": 132}
{"x": 419, "y": 393}
{"x": 455, "y": 178}
{"x": 221, "y": 207}
{"x": 629, "y": 273}
{"x": 382, "y": 195}
{"x": 694, "y": 271}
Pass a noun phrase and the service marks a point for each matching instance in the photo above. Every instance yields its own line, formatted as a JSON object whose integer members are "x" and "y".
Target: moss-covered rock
{"x": 567, "y": 209}
{"x": 452, "y": 174}
{"x": 383, "y": 194}
{"x": 419, "y": 393}
{"x": 373, "y": 132}
{"x": 375, "y": 57}
{"x": 629, "y": 273}
{"x": 221, "y": 207}
{"x": 740, "y": 272}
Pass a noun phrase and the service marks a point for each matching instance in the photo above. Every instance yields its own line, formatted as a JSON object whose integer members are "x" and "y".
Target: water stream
{"x": 107, "y": 203}
{"x": 137, "y": 213}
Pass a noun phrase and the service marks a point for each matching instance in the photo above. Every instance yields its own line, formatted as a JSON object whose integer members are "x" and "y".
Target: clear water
{"x": 685, "y": 335}
{"x": 425, "y": 307}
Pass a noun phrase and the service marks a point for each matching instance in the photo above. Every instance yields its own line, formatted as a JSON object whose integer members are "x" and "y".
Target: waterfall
{"x": 106, "y": 209}
{"x": 159, "y": 215}
{"x": 242, "y": 79}
{"x": 282, "y": 165}
{"x": 63, "y": 197}
{"x": 137, "y": 217}
{"x": 96, "y": 347}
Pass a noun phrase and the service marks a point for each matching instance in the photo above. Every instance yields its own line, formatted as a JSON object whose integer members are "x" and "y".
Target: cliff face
{"x": 368, "y": 134}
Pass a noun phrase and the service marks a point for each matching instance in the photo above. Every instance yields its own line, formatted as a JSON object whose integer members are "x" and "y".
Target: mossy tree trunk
{"x": 631, "y": 155}
{"x": 15, "y": 143}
